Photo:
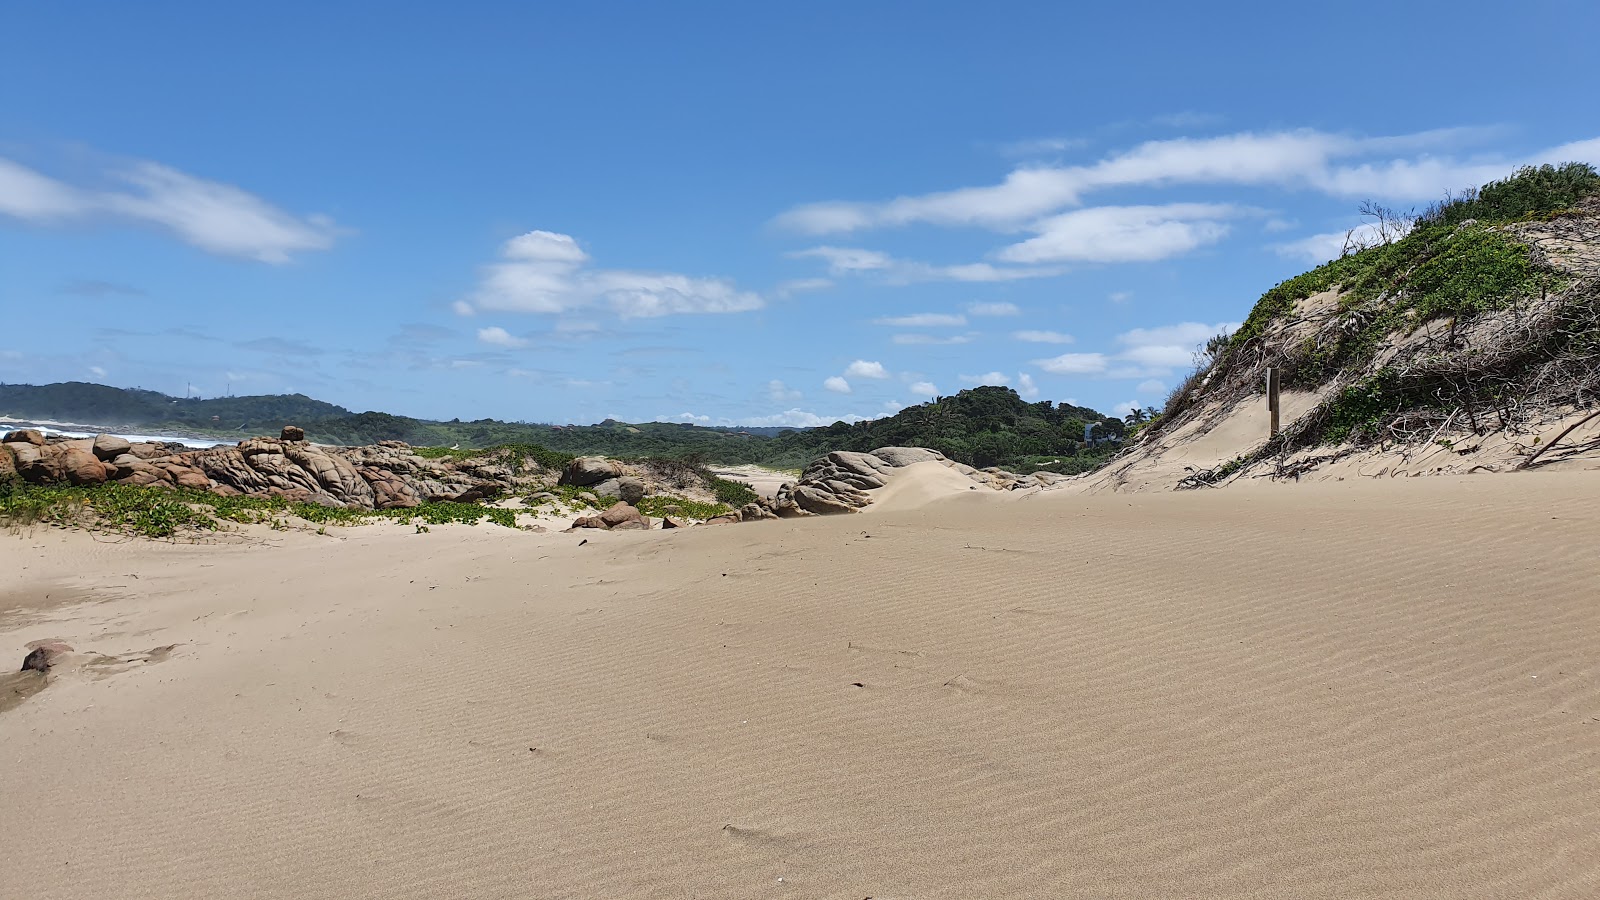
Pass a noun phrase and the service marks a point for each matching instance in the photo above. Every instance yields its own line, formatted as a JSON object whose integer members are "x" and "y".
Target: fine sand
{"x": 1360, "y": 689}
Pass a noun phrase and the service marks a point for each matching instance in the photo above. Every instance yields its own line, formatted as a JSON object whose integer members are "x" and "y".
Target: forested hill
{"x": 984, "y": 426}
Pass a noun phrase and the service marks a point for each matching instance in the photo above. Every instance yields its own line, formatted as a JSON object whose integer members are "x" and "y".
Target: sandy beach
{"x": 1355, "y": 689}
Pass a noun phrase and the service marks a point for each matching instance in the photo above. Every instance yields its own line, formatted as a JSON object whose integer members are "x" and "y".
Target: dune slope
{"x": 1340, "y": 690}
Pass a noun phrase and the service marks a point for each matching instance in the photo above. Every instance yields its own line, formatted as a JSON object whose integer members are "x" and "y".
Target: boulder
{"x": 32, "y": 464}
{"x": 193, "y": 479}
{"x": 589, "y": 498}
{"x": 755, "y": 512}
{"x": 631, "y": 490}
{"x": 611, "y": 487}
{"x": 292, "y": 433}
{"x": 822, "y": 502}
{"x": 900, "y": 457}
{"x": 727, "y": 519}
{"x": 674, "y": 522}
{"x": 588, "y": 522}
{"x": 620, "y": 513}
{"x": 26, "y": 436}
{"x": 80, "y": 466}
{"x": 631, "y": 526}
{"x": 587, "y": 470}
{"x": 8, "y": 464}
{"x": 108, "y": 446}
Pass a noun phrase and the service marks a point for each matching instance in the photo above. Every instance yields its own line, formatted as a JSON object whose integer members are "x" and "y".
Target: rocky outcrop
{"x": 618, "y": 517}
{"x": 842, "y": 481}
{"x": 589, "y": 470}
{"x": 388, "y": 475}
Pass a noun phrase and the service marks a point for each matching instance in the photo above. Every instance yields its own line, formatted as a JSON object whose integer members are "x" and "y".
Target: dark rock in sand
{"x": 43, "y": 655}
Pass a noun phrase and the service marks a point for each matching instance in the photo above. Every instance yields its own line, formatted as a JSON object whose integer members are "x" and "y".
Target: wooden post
{"x": 1272, "y": 398}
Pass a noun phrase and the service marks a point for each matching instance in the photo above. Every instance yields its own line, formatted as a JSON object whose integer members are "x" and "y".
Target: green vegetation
{"x": 661, "y": 507}
{"x": 164, "y": 512}
{"x": 733, "y": 493}
{"x": 1451, "y": 262}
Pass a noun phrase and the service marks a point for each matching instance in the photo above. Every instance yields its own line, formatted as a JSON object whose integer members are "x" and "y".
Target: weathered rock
{"x": 44, "y": 654}
{"x": 589, "y": 498}
{"x": 620, "y": 513}
{"x": 907, "y": 456}
{"x": 80, "y": 466}
{"x": 8, "y": 464}
{"x": 631, "y": 526}
{"x": 292, "y": 433}
{"x": 589, "y": 522}
{"x": 630, "y": 489}
{"x": 145, "y": 450}
{"x": 674, "y": 522}
{"x": 820, "y": 502}
{"x": 728, "y": 519}
{"x": 108, "y": 446}
{"x": 26, "y": 436}
{"x": 32, "y": 463}
{"x": 193, "y": 479}
{"x": 754, "y": 512}
{"x": 610, "y": 488}
{"x": 587, "y": 470}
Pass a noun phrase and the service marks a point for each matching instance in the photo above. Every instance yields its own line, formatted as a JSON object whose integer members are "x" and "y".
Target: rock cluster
{"x": 840, "y": 481}
{"x": 387, "y": 475}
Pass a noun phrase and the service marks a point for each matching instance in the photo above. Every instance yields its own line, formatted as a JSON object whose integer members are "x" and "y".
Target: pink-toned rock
{"x": 622, "y": 513}
{"x": 80, "y": 466}
{"x": 44, "y": 654}
{"x": 108, "y": 446}
{"x": 224, "y": 490}
{"x": 26, "y": 436}
{"x": 193, "y": 479}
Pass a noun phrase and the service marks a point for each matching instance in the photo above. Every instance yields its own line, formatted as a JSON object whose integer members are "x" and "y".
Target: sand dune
{"x": 1334, "y": 690}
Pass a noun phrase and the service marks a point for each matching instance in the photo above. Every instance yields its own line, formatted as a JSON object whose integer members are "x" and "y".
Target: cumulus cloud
{"x": 922, "y": 320}
{"x": 1043, "y": 337}
{"x": 997, "y": 379}
{"x": 864, "y": 369}
{"x": 847, "y": 261}
{"x": 993, "y": 309}
{"x": 1146, "y": 353}
{"x": 546, "y": 272}
{"x": 215, "y": 217}
{"x": 925, "y": 389}
{"x": 1402, "y": 167}
{"x": 779, "y": 392}
{"x": 499, "y": 337}
{"x": 1026, "y": 386}
{"x": 795, "y": 418}
{"x": 836, "y": 384}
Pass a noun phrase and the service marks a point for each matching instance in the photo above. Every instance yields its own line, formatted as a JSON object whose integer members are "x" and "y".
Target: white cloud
{"x": 1042, "y": 146}
{"x": 931, "y": 340}
{"x": 846, "y": 261}
{"x": 779, "y": 392}
{"x": 1120, "y": 296}
{"x": 1156, "y": 351}
{"x": 997, "y": 379}
{"x": 802, "y": 285}
{"x": 925, "y": 389}
{"x": 546, "y": 272}
{"x": 1335, "y": 164}
{"x": 500, "y": 337}
{"x": 215, "y": 217}
{"x": 1150, "y": 387}
{"x": 693, "y": 419}
{"x": 993, "y": 309}
{"x": 837, "y": 385}
{"x": 1043, "y": 337}
{"x": 97, "y": 372}
{"x": 1125, "y": 407}
{"x": 863, "y": 369}
{"x": 1320, "y": 248}
{"x": 1026, "y": 386}
{"x": 462, "y": 308}
{"x": 1123, "y": 233}
{"x": 1074, "y": 364}
{"x": 922, "y": 320}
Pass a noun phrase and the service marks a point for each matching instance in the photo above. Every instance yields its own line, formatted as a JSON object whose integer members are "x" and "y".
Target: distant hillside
{"x": 1459, "y": 340}
{"x": 987, "y": 426}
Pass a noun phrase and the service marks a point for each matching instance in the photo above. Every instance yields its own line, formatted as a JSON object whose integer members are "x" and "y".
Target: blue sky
{"x": 721, "y": 213}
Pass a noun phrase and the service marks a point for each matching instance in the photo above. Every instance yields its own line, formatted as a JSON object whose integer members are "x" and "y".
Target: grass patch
{"x": 661, "y": 507}
{"x": 513, "y": 455}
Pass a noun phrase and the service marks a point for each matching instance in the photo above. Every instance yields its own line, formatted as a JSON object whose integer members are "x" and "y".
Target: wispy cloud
{"x": 1401, "y": 167}
{"x": 215, "y": 217}
{"x": 1145, "y": 352}
{"x": 846, "y": 261}
{"x": 1114, "y": 234}
{"x": 1043, "y": 337}
{"x": 280, "y": 347}
{"x": 546, "y": 272}
{"x": 923, "y": 320}
{"x": 994, "y": 309}
{"x": 923, "y": 339}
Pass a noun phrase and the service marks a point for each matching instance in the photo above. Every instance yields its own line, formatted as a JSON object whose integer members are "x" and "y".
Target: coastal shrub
{"x": 662, "y": 506}
{"x": 733, "y": 493}
{"x": 1532, "y": 192}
